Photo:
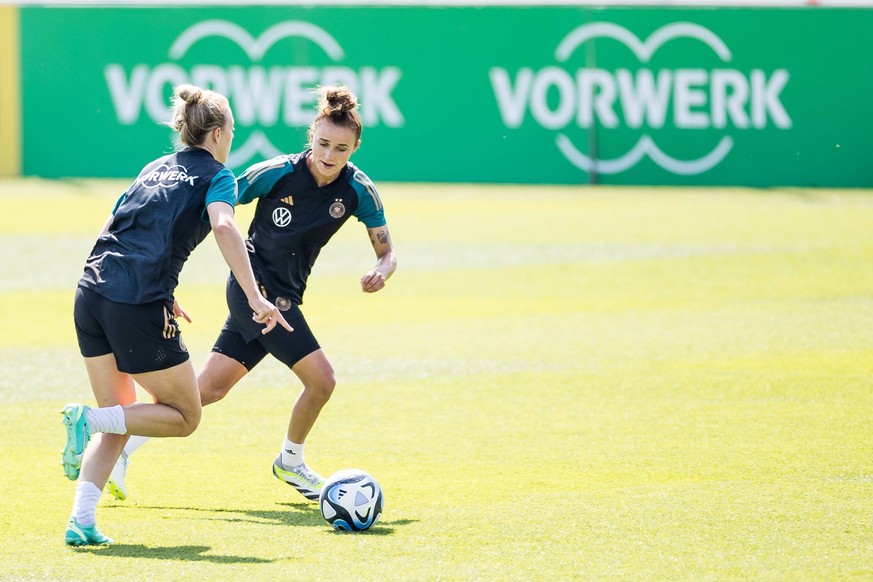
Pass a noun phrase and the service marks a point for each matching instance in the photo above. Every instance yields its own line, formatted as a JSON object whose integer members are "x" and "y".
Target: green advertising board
{"x": 752, "y": 96}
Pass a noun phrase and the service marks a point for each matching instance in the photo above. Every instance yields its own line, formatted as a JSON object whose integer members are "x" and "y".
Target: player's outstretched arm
{"x": 386, "y": 260}
{"x": 234, "y": 251}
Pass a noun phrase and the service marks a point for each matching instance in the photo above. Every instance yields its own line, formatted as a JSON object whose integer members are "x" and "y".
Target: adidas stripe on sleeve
{"x": 260, "y": 178}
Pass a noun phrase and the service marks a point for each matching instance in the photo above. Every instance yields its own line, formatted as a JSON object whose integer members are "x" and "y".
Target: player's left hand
{"x": 372, "y": 282}
{"x": 179, "y": 312}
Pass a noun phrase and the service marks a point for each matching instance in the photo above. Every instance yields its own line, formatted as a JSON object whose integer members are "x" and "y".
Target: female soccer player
{"x": 303, "y": 200}
{"x": 125, "y": 310}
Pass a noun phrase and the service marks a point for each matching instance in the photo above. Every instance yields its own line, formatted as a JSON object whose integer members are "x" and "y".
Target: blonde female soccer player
{"x": 125, "y": 310}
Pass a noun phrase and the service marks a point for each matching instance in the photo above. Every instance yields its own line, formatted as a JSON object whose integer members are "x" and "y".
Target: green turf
{"x": 558, "y": 383}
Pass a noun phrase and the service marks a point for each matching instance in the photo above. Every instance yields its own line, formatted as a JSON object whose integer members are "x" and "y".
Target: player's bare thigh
{"x": 175, "y": 387}
{"x": 110, "y": 386}
{"x": 315, "y": 371}
{"x": 218, "y": 375}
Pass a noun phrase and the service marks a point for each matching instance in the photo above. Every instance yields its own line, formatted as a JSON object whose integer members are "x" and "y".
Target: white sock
{"x": 109, "y": 419}
{"x": 292, "y": 454}
{"x": 85, "y": 503}
{"x": 133, "y": 443}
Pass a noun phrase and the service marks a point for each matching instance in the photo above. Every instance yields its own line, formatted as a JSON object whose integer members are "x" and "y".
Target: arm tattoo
{"x": 381, "y": 235}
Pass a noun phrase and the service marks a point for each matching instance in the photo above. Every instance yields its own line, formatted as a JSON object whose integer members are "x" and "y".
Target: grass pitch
{"x": 558, "y": 383}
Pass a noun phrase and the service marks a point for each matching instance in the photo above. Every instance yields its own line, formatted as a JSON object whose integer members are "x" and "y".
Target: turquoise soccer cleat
{"x": 80, "y": 535}
{"x": 78, "y": 435}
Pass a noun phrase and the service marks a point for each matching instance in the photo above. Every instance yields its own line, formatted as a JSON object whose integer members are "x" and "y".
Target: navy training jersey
{"x": 156, "y": 224}
{"x": 295, "y": 218}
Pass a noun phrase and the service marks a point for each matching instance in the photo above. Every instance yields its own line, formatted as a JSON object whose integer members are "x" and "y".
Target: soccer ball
{"x": 351, "y": 500}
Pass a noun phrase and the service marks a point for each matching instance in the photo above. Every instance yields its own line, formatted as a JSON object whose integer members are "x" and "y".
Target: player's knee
{"x": 323, "y": 388}
{"x": 328, "y": 388}
{"x": 190, "y": 421}
{"x": 212, "y": 392}
{"x": 212, "y": 389}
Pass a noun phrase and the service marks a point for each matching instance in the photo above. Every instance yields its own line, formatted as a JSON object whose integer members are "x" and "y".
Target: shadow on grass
{"x": 184, "y": 553}
{"x": 294, "y": 514}
{"x": 382, "y": 528}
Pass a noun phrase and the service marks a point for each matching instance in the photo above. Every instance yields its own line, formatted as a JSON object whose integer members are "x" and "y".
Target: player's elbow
{"x": 224, "y": 229}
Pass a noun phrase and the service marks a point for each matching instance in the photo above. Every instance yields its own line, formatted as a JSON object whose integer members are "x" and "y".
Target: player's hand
{"x": 179, "y": 312}
{"x": 269, "y": 315}
{"x": 372, "y": 282}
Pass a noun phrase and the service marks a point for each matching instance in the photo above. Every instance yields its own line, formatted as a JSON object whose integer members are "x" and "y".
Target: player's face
{"x": 225, "y": 139}
{"x": 332, "y": 146}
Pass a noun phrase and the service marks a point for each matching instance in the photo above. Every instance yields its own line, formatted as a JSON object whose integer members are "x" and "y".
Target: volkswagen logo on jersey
{"x": 167, "y": 176}
{"x": 281, "y": 217}
{"x": 337, "y": 209}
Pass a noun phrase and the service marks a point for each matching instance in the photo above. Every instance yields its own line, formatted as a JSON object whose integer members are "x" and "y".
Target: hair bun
{"x": 339, "y": 99}
{"x": 197, "y": 111}
{"x": 190, "y": 94}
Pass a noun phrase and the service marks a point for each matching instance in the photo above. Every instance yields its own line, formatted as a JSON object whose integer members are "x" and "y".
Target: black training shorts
{"x": 242, "y": 340}
{"x": 144, "y": 338}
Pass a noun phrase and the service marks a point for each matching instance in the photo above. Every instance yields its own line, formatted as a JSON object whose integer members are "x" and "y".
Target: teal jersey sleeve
{"x": 260, "y": 178}
{"x": 370, "y": 210}
{"x": 120, "y": 200}
{"x": 221, "y": 189}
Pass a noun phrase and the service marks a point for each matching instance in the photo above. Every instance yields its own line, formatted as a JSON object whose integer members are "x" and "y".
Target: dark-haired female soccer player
{"x": 303, "y": 200}
{"x": 125, "y": 310}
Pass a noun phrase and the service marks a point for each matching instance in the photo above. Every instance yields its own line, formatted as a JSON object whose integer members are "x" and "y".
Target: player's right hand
{"x": 269, "y": 315}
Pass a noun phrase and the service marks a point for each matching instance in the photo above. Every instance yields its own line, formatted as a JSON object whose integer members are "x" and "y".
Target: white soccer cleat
{"x": 301, "y": 478}
{"x": 115, "y": 485}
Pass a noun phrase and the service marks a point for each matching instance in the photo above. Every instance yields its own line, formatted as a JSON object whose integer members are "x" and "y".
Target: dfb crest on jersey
{"x": 337, "y": 209}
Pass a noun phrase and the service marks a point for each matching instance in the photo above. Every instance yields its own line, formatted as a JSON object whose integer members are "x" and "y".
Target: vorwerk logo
{"x": 588, "y": 97}
{"x": 167, "y": 176}
{"x": 265, "y": 94}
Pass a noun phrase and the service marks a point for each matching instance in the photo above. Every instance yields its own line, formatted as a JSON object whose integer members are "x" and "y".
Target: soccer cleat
{"x": 115, "y": 485}
{"x": 78, "y": 435}
{"x": 80, "y": 535}
{"x": 306, "y": 481}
